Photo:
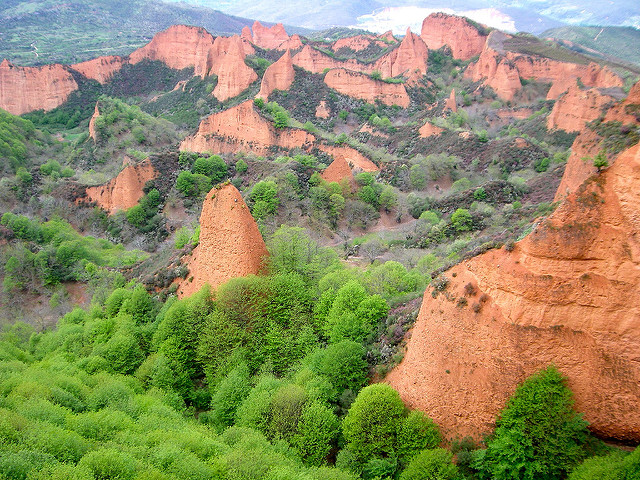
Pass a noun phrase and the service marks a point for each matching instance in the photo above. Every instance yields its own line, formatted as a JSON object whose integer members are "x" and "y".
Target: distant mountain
{"x": 525, "y": 15}
{"x": 50, "y": 31}
{"x": 621, "y": 42}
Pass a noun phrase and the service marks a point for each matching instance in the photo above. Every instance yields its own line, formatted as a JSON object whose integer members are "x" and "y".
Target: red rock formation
{"x": 577, "y": 107}
{"x": 268, "y": 37}
{"x": 440, "y": 29}
{"x": 179, "y": 47}
{"x": 409, "y": 59}
{"x": 246, "y": 34}
{"x": 25, "y": 89}
{"x": 230, "y": 244}
{"x": 293, "y": 43}
{"x": 125, "y": 190}
{"x": 621, "y": 113}
{"x": 354, "y": 158}
{"x": 496, "y": 71}
{"x": 226, "y": 60}
{"x": 279, "y": 75}
{"x": 315, "y": 61}
{"x": 92, "y": 124}
{"x": 430, "y": 130}
{"x": 322, "y": 111}
{"x": 568, "y": 294}
{"x": 241, "y": 128}
{"x": 362, "y": 86}
{"x": 387, "y": 37}
{"x": 357, "y": 43}
{"x": 339, "y": 171}
{"x": 101, "y": 68}
{"x": 451, "y": 101}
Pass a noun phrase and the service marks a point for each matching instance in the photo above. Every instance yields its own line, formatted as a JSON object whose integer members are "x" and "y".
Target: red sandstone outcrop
{"x": 241, "y": 128}
{"x": 92, "y": 124}
{"x": 268, "y": 37}
{"x": 125, "y": 190}
{"x": 354, "y": 158}
{"x": 430, "y": 130}
{"x": 409, "y": 59}
{"x": 577, "y": 107}
{"x": 387, "y": 37}
{"x": 362, "y": 86}
{"x": 451, "y": 101}
{"x": 568, "y": 294}
{"x": 628, "y": 110}
{"x": 339, "y": 171}
{"x": 179, "y": 47}
{"x": 464, "y": 39}
{"x": 278, "y": 76}
{"x": 230, "y": 243}
{"x": 293, "y": 43}
{"x": 322, "y": 111}
{"x": 357, "y": 43}
{"x": 503, "y": 69}
{"x": 101, "y": 68}
{"x": 25, "y": 89}
{"x": 226, "y": 60}
{"x": 315, "y": 61}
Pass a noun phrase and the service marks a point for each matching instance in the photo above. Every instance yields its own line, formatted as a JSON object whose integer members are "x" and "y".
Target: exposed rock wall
{"x": 241, "y": 128}
{"x": 464, "y": 39}
{"x": 357, "y": 43}
{"x": 362, "y": 86}
{"x": 315, "y": 61}
{"x": 354, "y": 158}
{"x": 268, "y": 37}
{"x": 577, "y": 107}
{"x": 125, "y": 190}
{"x": 25, "y": 89}
{"x": 451, "y": 103}
{"x": 339, "y": 171}
{"x": 430, "y": 130}
{"x": 92, "y": 124}
{"x": 279, "y": 75}
{"x": 230, "y": 244}
{"x": 226, "y": 60}
{"x": 100, "y": 69}
{"x": 568, "y": 294}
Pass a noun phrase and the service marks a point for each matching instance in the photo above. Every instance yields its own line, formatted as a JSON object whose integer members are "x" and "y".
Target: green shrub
{"x": 109, "y": 464}
{"x": 433, "y": 464}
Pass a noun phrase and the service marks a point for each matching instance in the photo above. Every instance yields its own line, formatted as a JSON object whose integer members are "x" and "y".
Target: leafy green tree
{"x": 281, "y": 119}
{"x": 264, "y": 197}
{"x": 343, "y": 363}
{"x": 228, "y": 396}
{"x": 433, "y": 464}
{"x": 285, "y": 411}
{"x": 600, "y": 161}
{"x": 538, "y": 434}
{"x": 317, "y": 430}
{"x": 417, "y": 432}
{"x": 388, "y": 198}
{"x": 213, "y": 167}
{"x": 241, "y": 166}
{"x": 370, "y": 428}
{"x": 364, "y": 179}
{"x": 461, "y": 220}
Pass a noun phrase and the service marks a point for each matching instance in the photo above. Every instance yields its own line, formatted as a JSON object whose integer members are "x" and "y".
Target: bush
{"x": 109, "y": 464}
{"x": 461, "y": 220}
{"x": 433, "y": 464}
{"x": 417, "y": 432}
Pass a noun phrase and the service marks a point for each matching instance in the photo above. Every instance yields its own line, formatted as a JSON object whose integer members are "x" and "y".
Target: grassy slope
{"x": 83, "y": 29}
{"x": 621, "y": 42}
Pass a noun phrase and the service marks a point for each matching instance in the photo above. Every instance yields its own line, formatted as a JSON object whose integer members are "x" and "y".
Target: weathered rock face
{"x": 293, "y": 43}
{"x": 315, "y": 61}
{"x": 440, "y": 29}
{"x": 279, "y": 75}
{"x": 430, "y": 130}
{"x": 268, "y": 37}
{"x": 25, "y": 89}
{"x": 362, "y": 86}
{"x": 568, "y": 294}
{"x": 101, "y": 68}
{"x": 226, "y": 60}
{"x": 502, "y": 71}
{"x": 451, "y": 103}
{"x": 624, "y": 111}
{"x": 339, "y": 171}
{"x": 322, "y": 111}
{"x": 354, "y": 158}
{"x": 577, "y": 107}
{"x": 92, "y": 124}
{"x": 241, "y": 128}
{"x": 409, "y": 59}
{"x": 125, "y": 190}
{"x": 357, "y": 43}
{"x": 230, "y": 244}
{"x": 179, "y": 47}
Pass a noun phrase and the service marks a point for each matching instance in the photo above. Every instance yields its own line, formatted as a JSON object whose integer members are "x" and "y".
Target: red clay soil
{"x": 339, "y": 171}
{"x": 100, "y": 69}
{"x": 268, "y": 37}
{"x": 241, "y": 128}
{"x": 577, "y": 107}
{"x": 430, "y": 130}
{"x": 278, "y": 76}
{"x": 92, "y": 124}
{"x": 230, "y": 244}
{"x": 568, "y": 294}
{"x": 125, "y": 190}
{"x": 440, "y": 29}
{"x": 354, "y": 158}
{"x": 25, "y": 89}
{"x": 359, "y": 85}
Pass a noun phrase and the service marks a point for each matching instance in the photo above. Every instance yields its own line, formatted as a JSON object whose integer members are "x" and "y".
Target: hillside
{"x": 38, "y": 33}
{"x": 340, "y": 257}
{"x": 620, "y": 42}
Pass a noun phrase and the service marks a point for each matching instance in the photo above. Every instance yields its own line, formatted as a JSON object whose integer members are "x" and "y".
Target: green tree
{"x": 600, "y": 161}
{"x": 228, "y": 396}
{"x": 417, "y": 432}
{"x": 433, "y": 464}
{"x": 317, "y": 430}
{"x": 461, "y": 220}
{"x": 538, "y": 434}
{"x": 371, "y": 426}
{"x": 280, "y": 119}
{"x": 241, "y": 166}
